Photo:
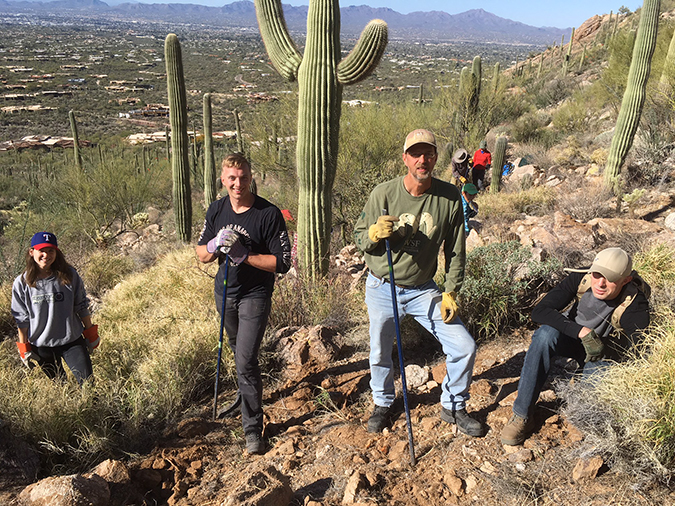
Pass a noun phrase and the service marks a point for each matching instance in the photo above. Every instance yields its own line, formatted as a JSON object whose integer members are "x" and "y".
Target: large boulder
{"x": 71, "y": 490}
{"x": 264, "y": 487}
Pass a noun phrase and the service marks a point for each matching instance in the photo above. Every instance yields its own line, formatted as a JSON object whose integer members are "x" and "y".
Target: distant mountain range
{"x": 475, "y": 25}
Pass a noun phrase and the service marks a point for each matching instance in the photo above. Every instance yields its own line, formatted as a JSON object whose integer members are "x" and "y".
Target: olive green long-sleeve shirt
{"x": 425, "y": 222}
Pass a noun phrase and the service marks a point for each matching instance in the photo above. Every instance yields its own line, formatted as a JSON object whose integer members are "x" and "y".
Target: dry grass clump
{"x": 509, "y": 206}
{"x": 628, "y": 415}
{"x": 103, "y": 270}
{"x": 332, "y": 300}
{"x": 159, "y": 332}
{"x": 586, "y": 203}
{"x": 656, "y": 265}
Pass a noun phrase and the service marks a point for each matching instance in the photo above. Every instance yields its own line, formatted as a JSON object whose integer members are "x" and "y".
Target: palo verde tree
{"x": 321, "y": 76}
{"x": 180, "y": 144}
{"x": 634, "y": 96}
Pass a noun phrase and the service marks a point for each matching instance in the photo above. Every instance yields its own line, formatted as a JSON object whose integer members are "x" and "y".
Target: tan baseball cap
{"x": 613, "y": 263}
{"x": 419, "y": 136}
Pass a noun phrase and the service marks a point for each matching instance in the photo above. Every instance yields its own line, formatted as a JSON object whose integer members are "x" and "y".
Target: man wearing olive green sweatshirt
{"x": 422, "y": 214}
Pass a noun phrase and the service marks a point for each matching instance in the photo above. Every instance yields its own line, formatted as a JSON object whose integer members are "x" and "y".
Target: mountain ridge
{"x": 473, "y": 25}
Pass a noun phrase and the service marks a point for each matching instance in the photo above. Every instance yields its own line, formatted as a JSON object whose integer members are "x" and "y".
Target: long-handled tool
{"x": 220, "y": 339}
{"x": 401, "y": 365}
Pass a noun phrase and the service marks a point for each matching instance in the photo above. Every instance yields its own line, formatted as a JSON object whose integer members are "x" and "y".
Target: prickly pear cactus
{"x": 634, "y": 96}
{"x": 321, "y": 75}
{"x": 180, "y": 145}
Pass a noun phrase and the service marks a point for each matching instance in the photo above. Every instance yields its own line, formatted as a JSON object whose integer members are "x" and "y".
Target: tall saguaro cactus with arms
{"x": 321, "y": 76}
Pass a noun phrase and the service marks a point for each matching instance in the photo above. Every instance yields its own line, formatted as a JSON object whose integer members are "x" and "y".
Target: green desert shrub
{"x": 530, "y": 127}
{"x": 501, "y": 284}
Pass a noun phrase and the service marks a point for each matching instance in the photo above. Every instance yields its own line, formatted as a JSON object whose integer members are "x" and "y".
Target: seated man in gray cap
{"x": 609, "y": 309}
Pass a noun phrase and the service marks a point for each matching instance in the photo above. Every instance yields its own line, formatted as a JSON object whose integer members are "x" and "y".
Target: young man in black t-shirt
{"x": 252, "y": 232}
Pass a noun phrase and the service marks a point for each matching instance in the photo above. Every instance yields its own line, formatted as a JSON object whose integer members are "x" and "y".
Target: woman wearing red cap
{"x": 51, "y": 310}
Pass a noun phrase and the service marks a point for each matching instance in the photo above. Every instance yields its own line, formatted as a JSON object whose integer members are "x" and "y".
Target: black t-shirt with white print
{"x": 261, "y": 229}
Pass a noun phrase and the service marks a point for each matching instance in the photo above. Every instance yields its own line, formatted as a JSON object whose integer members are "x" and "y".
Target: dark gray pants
{"x": 245, "y": 322}
{"x": 75, "y": 354}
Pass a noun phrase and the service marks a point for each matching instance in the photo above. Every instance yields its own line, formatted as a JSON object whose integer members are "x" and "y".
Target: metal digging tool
{"x": 220, "y": 339}
{"x": 401, "y": 365}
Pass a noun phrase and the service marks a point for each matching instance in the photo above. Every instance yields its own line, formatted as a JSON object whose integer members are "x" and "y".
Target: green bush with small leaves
{"x": 501, "y": 284}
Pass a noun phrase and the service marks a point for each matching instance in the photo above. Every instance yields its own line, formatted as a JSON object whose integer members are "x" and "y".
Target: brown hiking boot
{"x": 517, "y": 430}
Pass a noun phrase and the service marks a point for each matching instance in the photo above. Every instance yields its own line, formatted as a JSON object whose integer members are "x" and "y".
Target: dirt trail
{"x": 318, "y": 443}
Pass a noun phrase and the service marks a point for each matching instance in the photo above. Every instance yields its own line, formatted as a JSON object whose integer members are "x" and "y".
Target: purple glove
{"x": 238, "y": 253}
{"x": 222, "y": 241}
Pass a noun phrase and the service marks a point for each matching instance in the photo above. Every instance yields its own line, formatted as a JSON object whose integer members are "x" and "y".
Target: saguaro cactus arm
{"x": 365, "y": 56}
{"x": 634, "y": 96}
{"x": 320, "y": 84}
{"x": 280, "y": 47}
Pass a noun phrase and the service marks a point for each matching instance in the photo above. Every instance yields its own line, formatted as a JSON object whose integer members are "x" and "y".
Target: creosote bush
{"x": 502, "y": 282}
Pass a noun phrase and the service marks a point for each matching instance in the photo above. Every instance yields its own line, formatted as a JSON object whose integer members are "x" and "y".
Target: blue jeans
{"x": 548, "y": 343}
{"x": 424, "y": 304}
{"x": 245, "y": 322}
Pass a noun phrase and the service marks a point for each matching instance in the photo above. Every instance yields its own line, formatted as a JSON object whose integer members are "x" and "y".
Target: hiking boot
{"x": 464, "y": 422}
{"x": 379, "y": 419}
{"x": 255, "y": 444}
{"x": 516, "y": 431}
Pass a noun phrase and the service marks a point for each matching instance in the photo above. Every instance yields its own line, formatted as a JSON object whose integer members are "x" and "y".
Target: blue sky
{"x": 561, "y": 14}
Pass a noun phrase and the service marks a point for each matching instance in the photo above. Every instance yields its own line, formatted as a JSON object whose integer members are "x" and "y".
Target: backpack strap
{"x": 627, "y": 296}
{"x": 584, "y": 286}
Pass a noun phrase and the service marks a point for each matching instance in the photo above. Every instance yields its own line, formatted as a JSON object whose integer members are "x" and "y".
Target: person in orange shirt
{"x": 481, "y": 162}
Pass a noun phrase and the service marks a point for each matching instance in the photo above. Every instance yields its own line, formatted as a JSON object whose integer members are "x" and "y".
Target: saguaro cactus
{"x": 634, "y": 96}
{"x": 76, "y": 140}
{"x": 209, "y": 157}
{"x": 499, "y": 155}
{"x": 321, "y": 76}
{"x": 476, "y": 77}
{"x": 495, "y": 78}
{"x": 180, "y": 145}
{"x": 667, "y": 80}
{"x": 566, "y": 62}
{"x": 237, "y": 128}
